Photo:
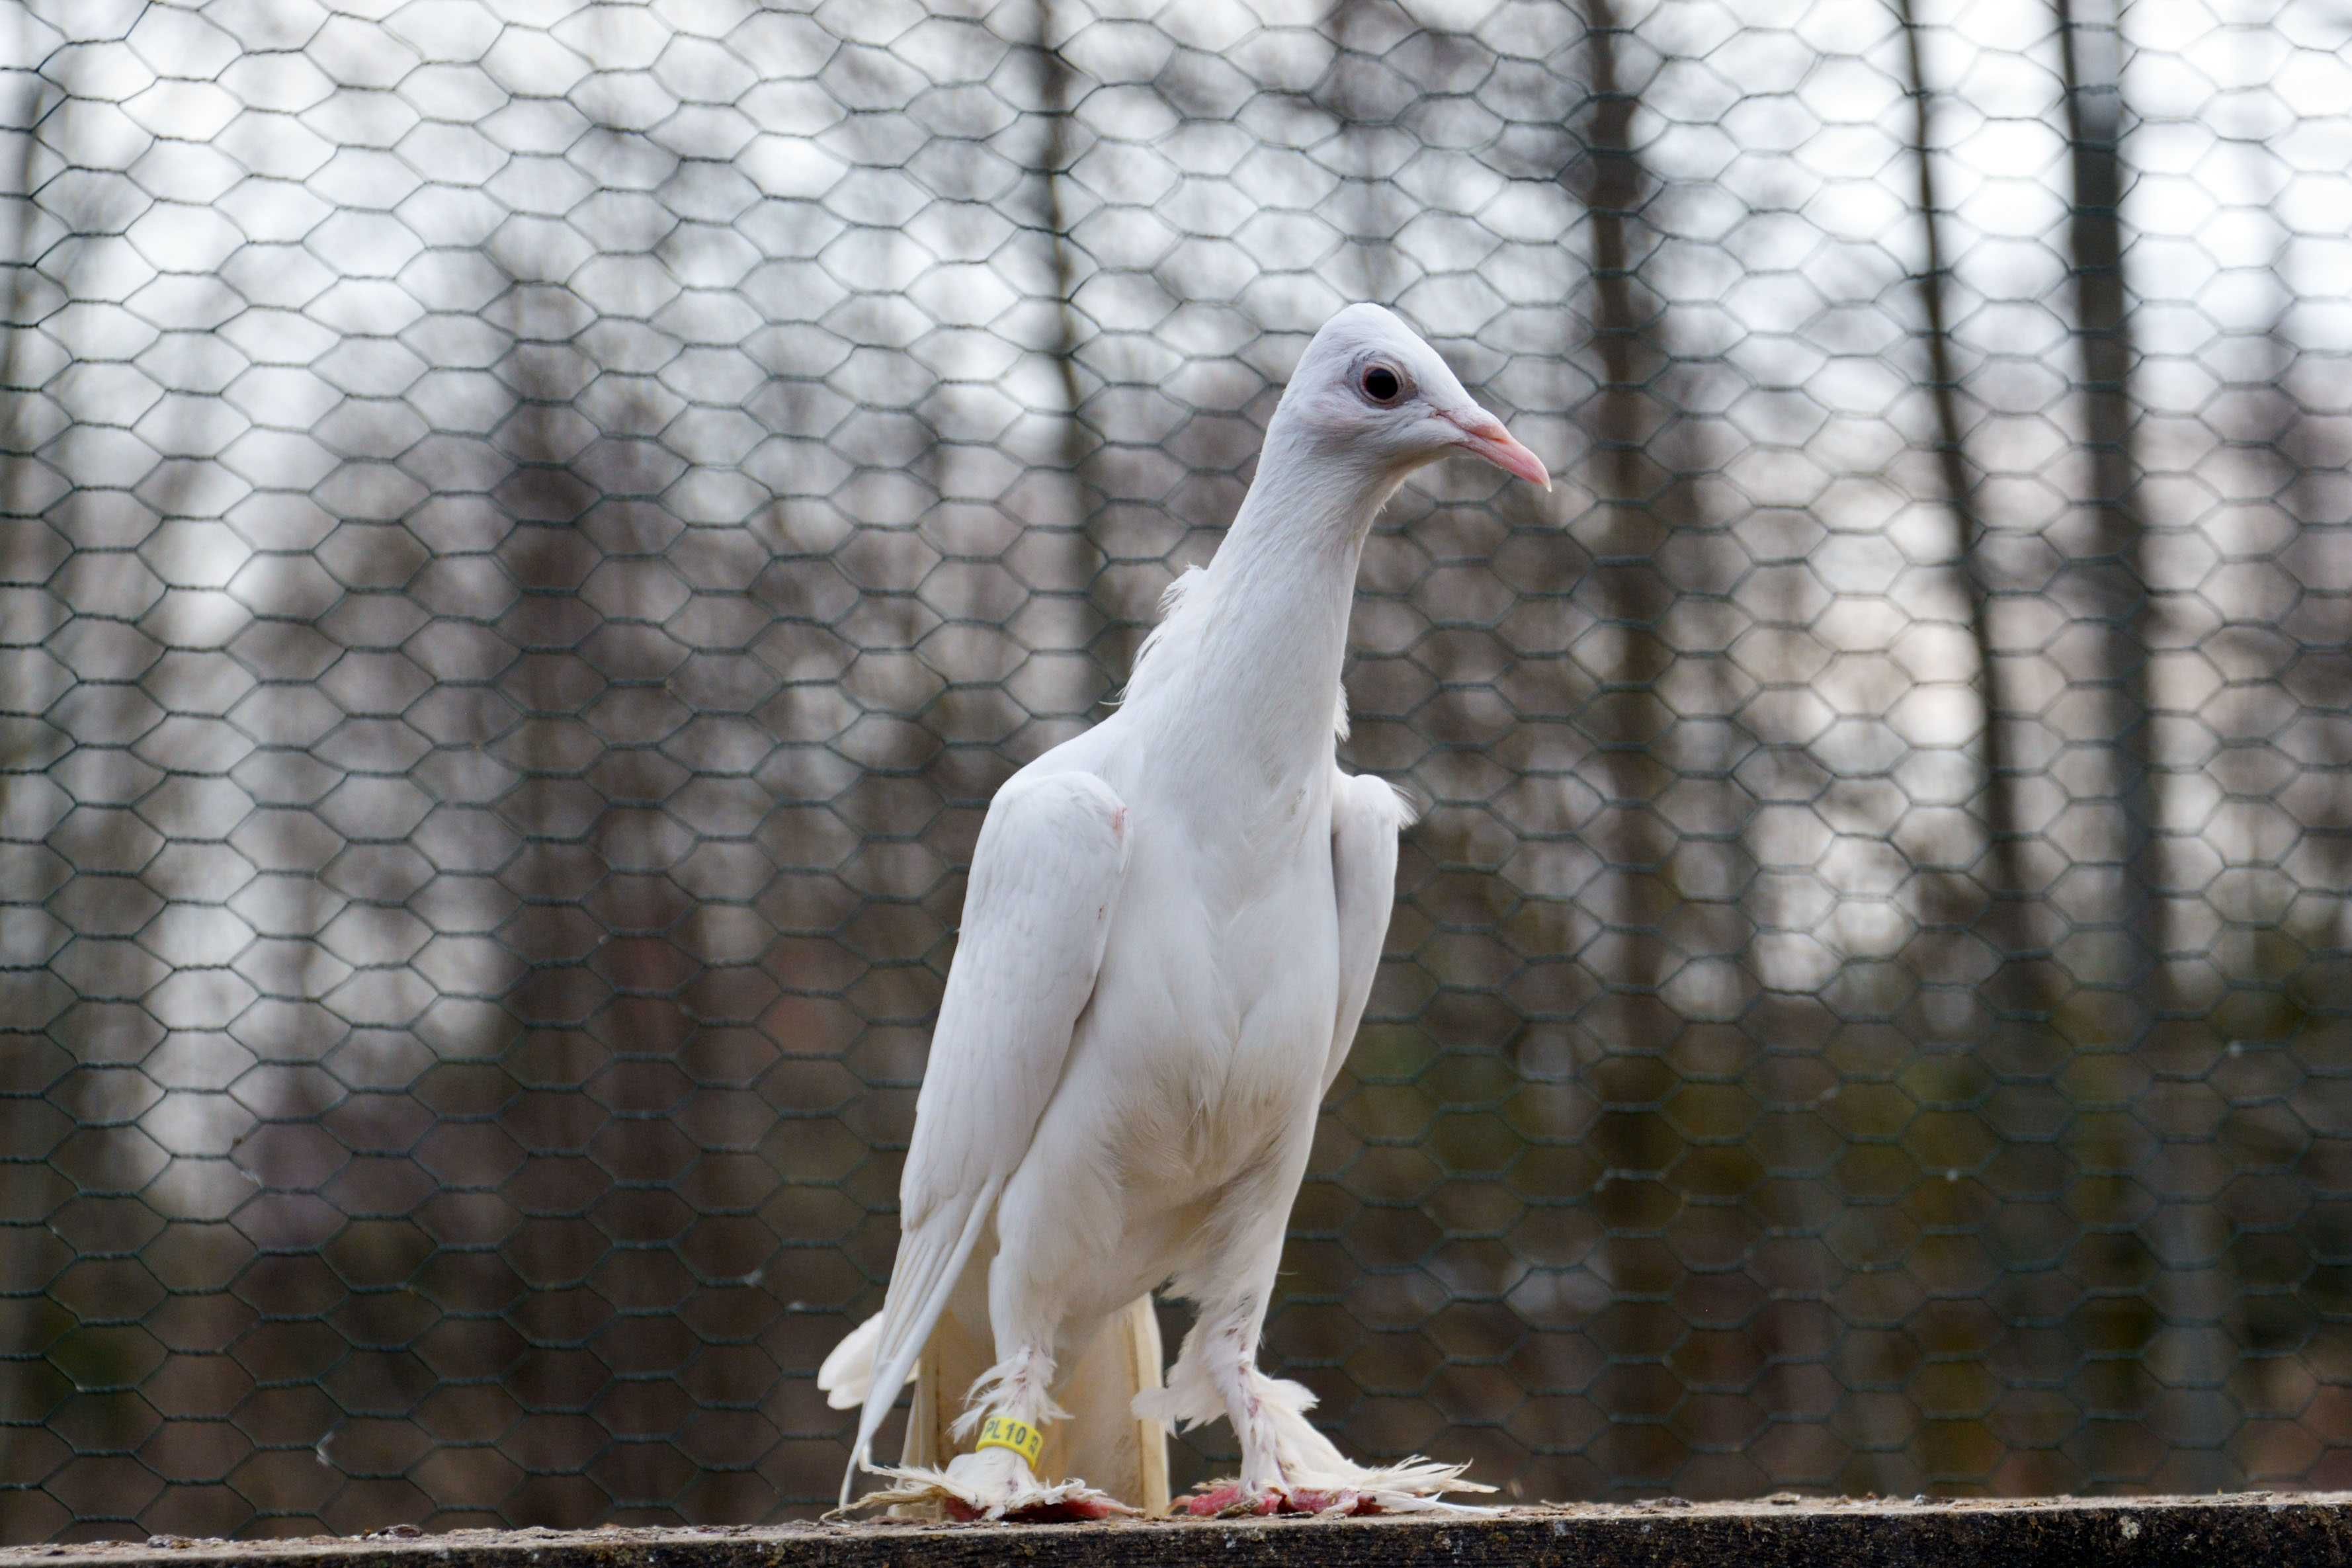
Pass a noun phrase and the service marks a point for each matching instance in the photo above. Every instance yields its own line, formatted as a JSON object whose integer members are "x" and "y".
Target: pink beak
{"x": 1483, "y": 435}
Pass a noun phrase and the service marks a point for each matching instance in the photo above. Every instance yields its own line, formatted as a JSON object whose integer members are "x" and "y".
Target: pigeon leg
{"x": 1287, "y": 1467}
{"x": 998, "y": 1478}
{"x": 1230, "y": 1350}
{"x": 1314, "y": 1476}
{"x": 1216, "y": 1372}
{"x": 1001, "y": 1466}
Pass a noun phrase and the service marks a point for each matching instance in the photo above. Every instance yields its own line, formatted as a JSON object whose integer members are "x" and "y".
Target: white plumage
{"x": 1168, "y": 937}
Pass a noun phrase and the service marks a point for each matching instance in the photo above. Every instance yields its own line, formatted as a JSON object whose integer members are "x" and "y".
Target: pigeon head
{"x": 1368, "y": 386}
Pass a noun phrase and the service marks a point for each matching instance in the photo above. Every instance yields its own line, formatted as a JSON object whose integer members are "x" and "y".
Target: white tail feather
{"x": 921, "y": 1282}
{"x": 849, "y": 1371}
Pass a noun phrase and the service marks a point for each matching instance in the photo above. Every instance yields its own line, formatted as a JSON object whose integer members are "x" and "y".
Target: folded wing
{"x": 1367, "y": 814}
{"x": 1037, "y": 913}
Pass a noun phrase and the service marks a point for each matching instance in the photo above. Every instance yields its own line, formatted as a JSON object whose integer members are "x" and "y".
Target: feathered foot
{"x": 1417, "y": 1486}
{"x": 990, "y": 1485}
{"x": 1311, "y": 1477}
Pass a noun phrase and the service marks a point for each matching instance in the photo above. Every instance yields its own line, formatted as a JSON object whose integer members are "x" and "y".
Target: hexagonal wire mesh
{"x": 534, "y": 528}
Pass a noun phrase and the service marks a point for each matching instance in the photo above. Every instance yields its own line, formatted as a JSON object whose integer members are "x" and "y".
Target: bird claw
{"x": 1070, "y": 1502}
{"x": 1417, "y": 1486}
{"x": 1227, "y": 1500}
{"x": 917, "y": 1491}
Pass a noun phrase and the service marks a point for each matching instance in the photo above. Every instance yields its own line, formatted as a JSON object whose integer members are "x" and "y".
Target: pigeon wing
{"x": 1367, "y": 814}
{"x": 1036, "y": 913}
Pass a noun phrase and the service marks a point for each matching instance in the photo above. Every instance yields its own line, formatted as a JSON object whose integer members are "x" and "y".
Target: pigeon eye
{"x": 1381, "y": 384}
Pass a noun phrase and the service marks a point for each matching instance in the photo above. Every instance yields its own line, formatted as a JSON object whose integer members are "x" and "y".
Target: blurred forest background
{"x": 533, "y": 529}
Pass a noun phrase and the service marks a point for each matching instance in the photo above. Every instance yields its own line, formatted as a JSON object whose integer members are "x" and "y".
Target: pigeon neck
{"x": 1283, "y": 582}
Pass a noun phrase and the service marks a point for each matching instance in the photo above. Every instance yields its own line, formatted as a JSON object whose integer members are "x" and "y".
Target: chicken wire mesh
{"x": 533, "y": 529}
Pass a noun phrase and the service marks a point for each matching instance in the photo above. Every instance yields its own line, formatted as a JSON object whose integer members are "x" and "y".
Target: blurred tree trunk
{"x": 1611, "y": 189}
{"x": 2111, "y": 571}
{"x": 2110, "y": 1018}
{"x": 2005, "y": 877}
{"x": 1061, "y": 149}
{"x": 2021, "y": 997}
{"x": 1078, "y": 505}
{"x": 29, "y": 1188}
{"x": 1634, "y": 1144}
{"x": 1380, "y": 278}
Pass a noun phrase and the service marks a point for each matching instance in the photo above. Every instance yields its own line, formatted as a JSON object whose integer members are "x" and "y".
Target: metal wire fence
{"x": 532, "y": 530}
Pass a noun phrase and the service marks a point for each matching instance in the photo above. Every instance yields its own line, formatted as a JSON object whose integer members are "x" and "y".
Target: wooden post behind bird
{"x": 1103, "y": 1441}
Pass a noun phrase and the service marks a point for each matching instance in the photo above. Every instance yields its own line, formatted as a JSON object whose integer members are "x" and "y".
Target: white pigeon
{"x": 1170, "y": 934}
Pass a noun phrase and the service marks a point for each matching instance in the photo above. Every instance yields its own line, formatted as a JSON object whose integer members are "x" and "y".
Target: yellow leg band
{"x": 1002, "y": 1432}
